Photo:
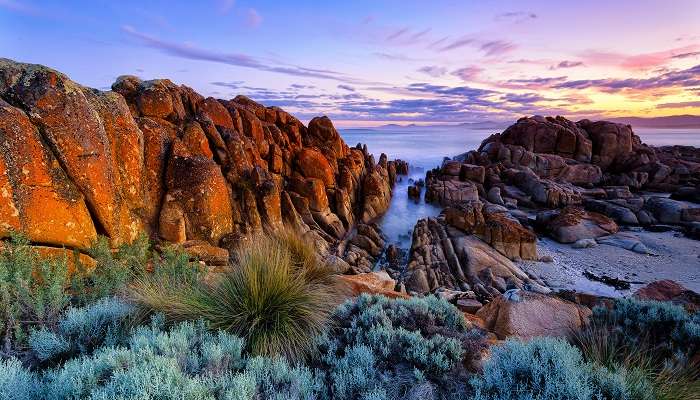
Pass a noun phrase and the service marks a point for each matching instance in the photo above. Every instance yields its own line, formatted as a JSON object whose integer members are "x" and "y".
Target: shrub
{"x": 82, "y": 330}
{"x": 16, "y": 382}
{"x": 278, "y": 295}
{"x": 186, "y": 362}
{"x": 32, "y": 292}
{"x": 544, "y": 368}
{"x": 114, "y": 269}
{"x": 663, "y": 326}
{"x": 387, "y": 348}
{"x": 651, "y": 345}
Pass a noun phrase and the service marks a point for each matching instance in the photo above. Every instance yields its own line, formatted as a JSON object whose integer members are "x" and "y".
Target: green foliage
{"x": 544, "y": 368}
{"x": 32, "y": 292}
{"x": 114, "y": 269}
{"x": 382, "y": 348}
{"x": 81, "y": 330}
{"x": 278, "y": 296}
{"x": 652, "y": 345}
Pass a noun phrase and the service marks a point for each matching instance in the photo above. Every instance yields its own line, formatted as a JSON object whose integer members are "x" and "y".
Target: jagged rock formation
{"x": 581, "y": 180}
{"x": 157, "y": 158}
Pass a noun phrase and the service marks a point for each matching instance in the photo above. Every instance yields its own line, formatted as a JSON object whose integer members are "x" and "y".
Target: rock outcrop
{"x": 156, "y": 158}
{"x": 594, "y": 171}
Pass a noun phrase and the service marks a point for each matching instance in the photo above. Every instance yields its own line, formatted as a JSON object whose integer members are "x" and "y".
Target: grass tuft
{"x": 278, "y": 296}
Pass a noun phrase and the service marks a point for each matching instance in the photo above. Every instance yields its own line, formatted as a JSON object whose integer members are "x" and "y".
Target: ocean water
{"x": 425, "y": 147}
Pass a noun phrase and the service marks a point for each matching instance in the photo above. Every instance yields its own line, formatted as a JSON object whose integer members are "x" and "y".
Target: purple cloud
{"x": 456, "y": 44}
{"x": 468, "y": 74}
{"x": 433, "y": 70}
{"x": 683, "y": 78}
{"x": 567, "y": 64}
{"x": 497, "y": 47}
{"x": 687, "y": 55}
{"x": 236, "y": 59}
{"x": 515, "y": 16}
{"x": 346, "y": 87}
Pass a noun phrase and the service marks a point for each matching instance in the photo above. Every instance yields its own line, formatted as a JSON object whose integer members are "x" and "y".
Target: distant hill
{"x": 674, "y": 121}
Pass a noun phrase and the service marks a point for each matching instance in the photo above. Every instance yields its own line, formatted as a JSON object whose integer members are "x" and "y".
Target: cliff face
{"x": 157, "y": 158}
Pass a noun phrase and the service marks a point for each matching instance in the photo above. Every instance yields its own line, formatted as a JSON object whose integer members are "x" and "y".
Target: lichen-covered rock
{"x": 157, "y": 158}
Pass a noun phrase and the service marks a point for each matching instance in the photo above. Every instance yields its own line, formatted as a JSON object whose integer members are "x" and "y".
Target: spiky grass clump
{"x": 278, "y": 296}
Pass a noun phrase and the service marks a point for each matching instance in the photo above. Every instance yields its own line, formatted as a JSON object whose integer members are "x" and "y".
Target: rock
{"x": 665, "y": 210}
{"x": 625, "y": 240}
{"x": 668, "y": 290}
{"x": 450, "y": 192}
{"x": 475, "y": 173}
{"x": 414, "y": 192}
{"x": 506, "y": 235}
{"x": 526, "y": 315}
{"x": 156, "y": 158}
{"x": 584, "y": 244}
{"x": 574, "y": 223}
{"x": 313, "y": 164}
{"x": 470, "y": 306}
{"x": 442, "y": 256}
{"x": 205, "y": 252}
{"x": 494, "y": 196}
{"x": 372, "y": 283}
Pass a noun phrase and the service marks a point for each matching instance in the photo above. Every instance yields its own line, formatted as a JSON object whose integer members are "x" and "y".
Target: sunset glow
{"x": 367, "y": 62}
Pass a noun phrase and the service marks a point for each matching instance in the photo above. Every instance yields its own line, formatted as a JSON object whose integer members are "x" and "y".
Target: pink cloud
{"x": 253, "y": 18}
{"x": 469, "y": 73}
{"x": 643, "y": 61}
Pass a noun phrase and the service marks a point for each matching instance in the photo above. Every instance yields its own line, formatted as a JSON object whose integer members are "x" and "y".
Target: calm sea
{"x": 425, "y": 147}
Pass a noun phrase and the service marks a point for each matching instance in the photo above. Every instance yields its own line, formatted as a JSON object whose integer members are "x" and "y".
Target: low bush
{"x": 663, "y": 326}
{"x": 114, "y": 270}
{"x": 544, "y": 369}
{"x": 652, "y": 345}
{"x": 82, "y": 330}
{"x": 17, "y": 382}
{"x": 382, "y": 348}
{"x": 278, "y": 296}
{"x": 32, "y": 293}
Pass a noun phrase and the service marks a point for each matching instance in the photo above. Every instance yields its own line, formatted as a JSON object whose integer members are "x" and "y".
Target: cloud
{"x": 635, "y": 62}
{"x": 225, "y": 6}
{"x": 497, "y": 47}
{"x": 346, "y": 87}
{"x": 397, "y": 34}
{"x": 683, "y": 78}
{"x": 19, "y": 7}
{"x": 686, "y": 55}
{"x": 489, "y": 47}
{"x": 682, "y": 104}
{"x": 468, "y": 74}
{"x": 532, "y": 83}
{"x": 515, "y": 16}
{"x": 567, "y": 64}
{"x": 192, "y": 52}
{"x": 456, "y": 44}
{"x": 394, "y": 56}
{"x": 433, "y": 70}
{"x": 253, "y": 18}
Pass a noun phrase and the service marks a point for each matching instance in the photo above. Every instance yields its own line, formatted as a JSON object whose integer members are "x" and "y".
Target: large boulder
{"x": 571, "y": 224}
{"x": 527, "y": 314}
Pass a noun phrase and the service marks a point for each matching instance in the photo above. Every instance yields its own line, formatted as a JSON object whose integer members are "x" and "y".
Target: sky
{"x": 366, "y": 63}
